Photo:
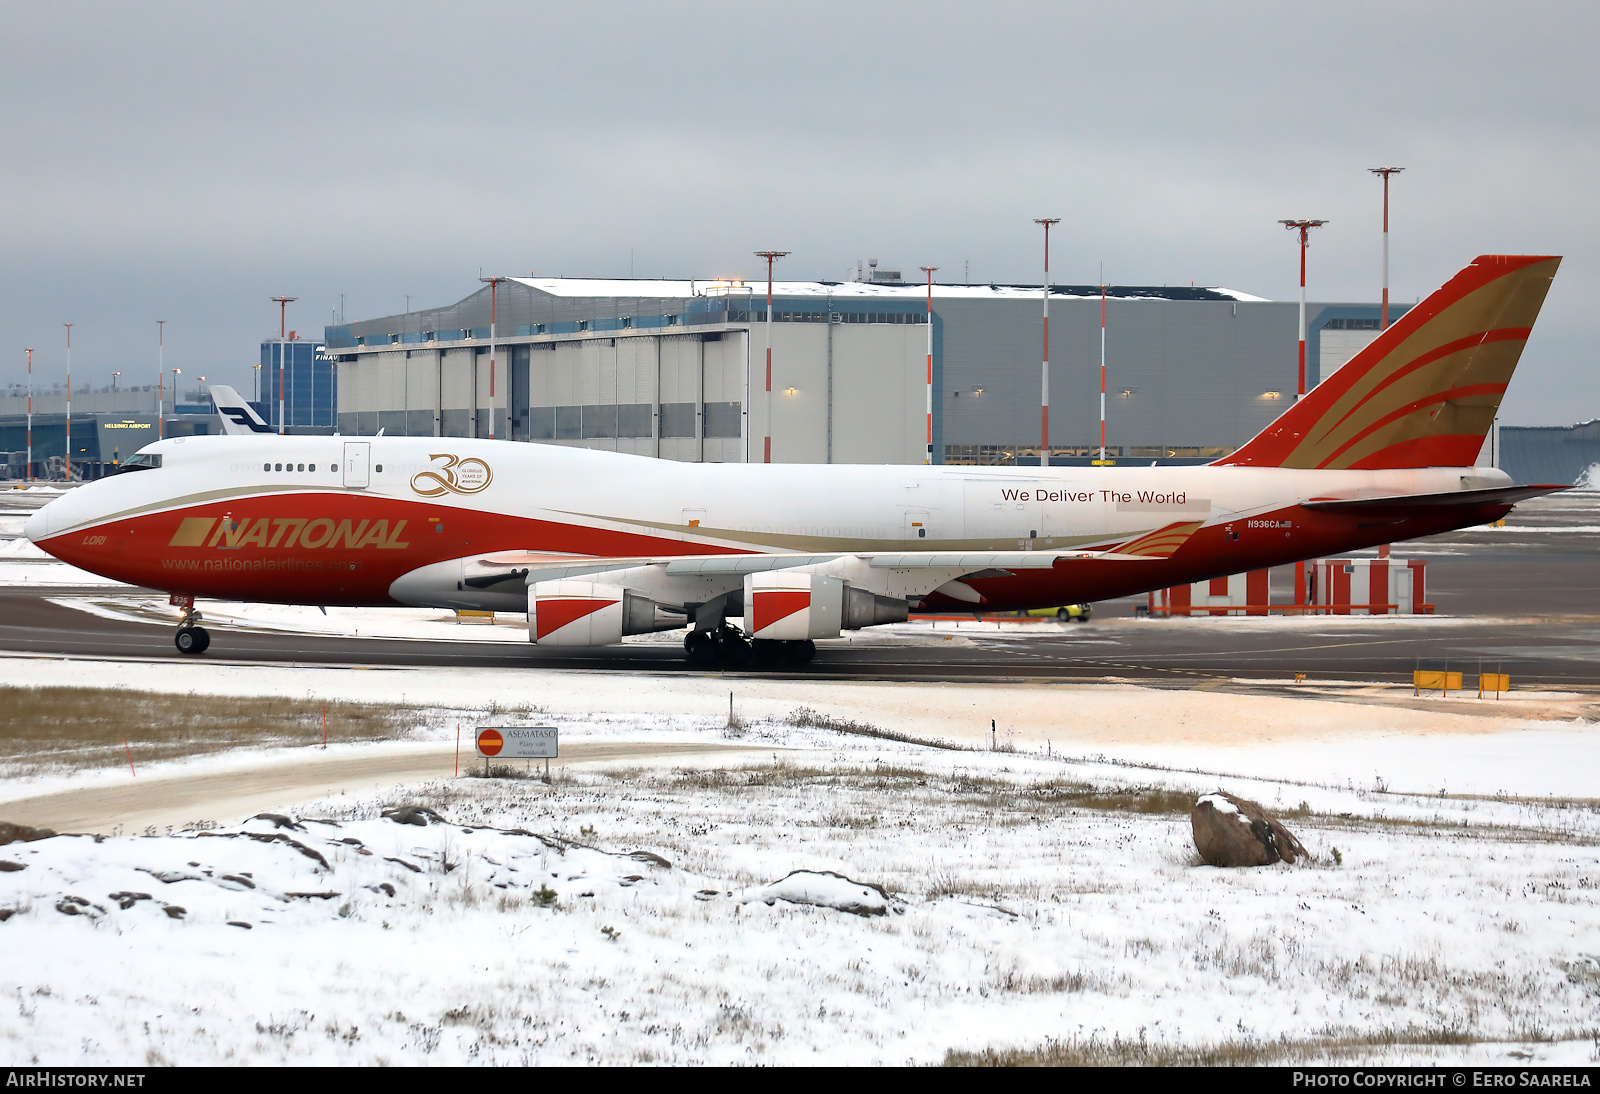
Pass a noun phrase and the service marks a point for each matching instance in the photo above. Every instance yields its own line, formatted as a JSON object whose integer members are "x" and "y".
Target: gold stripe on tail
{"x": 1162, "y": 543}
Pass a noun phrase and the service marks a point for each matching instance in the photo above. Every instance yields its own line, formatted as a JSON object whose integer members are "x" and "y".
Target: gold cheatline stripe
{"x": 187, "y": 500}
{"x": 826, "y": 544}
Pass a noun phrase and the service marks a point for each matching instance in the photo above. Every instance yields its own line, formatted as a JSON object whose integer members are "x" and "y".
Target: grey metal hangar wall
{"x": 677, "y": 369}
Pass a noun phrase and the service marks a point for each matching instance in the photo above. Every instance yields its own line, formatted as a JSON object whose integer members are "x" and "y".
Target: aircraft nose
{"x": 38, "y": 525}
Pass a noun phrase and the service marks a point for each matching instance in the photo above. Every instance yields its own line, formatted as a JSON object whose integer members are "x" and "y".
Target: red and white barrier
{"x": 1343, "y": 586}
{"x": 1371, "y": 586}
{"x": 1237, "y": 594}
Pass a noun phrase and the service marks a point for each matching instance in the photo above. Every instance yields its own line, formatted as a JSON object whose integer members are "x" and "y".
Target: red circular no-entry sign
{"x": 490, "y": 742}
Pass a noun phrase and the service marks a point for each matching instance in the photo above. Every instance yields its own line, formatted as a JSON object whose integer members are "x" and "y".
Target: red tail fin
{"x": 1425, "y": 392}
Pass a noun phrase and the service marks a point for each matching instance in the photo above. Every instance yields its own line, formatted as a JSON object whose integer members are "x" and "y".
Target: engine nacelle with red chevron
{"x": 791, "y": 605}
{"x": 583, "y": 613}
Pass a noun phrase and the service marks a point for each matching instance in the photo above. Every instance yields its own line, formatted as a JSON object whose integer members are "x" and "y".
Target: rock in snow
{"x": 1230, "y": 831}
{"x": 825, "y": 889}
{"x": 21, "y": 833}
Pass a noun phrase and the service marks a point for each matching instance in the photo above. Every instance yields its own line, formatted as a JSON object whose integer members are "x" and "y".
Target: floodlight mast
{"x": 283, "y": 303}
{"x": 30, "y": 413}
{"x": 1102, "y": 367}
{"x": 1304, "y": 228}
{"x": 1044, "y": 377}
{"x": 494, "y": 296}
{"x": 928, "y": 459}
{"x": 161, "y": 377}
{"x": 771, "y": 257}
{"x": 1385, "y": 172}
{"x": 69, "y": 401}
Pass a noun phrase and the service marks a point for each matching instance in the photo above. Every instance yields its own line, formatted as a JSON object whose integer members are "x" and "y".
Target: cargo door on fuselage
{"x": 1070, "y": 512}
{"x": 357, "y": 463}
{"x": 1002, "y": 514}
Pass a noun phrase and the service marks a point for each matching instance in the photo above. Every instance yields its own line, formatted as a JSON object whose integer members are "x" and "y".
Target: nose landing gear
{"x": 191, "y": 638}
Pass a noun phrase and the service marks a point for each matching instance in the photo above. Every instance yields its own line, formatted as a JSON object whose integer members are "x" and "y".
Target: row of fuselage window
{"x": 305, "y": 467}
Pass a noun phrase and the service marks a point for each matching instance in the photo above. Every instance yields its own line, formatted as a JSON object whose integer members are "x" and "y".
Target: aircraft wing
{"x": 490, "y": 571}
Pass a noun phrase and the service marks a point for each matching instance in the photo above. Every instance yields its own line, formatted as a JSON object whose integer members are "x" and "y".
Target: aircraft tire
{"x": 802, "y": 652}
{"x": 733, "y": 649}
{"x": 701, "y": 648}
{"x": 191, "y": 640}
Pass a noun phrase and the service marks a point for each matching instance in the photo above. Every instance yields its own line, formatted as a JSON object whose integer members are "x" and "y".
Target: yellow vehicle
{"x": 1067, "y": 613}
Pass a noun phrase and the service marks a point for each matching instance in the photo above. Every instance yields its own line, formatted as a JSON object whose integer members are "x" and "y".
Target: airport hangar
{"x": 676, "y": 369}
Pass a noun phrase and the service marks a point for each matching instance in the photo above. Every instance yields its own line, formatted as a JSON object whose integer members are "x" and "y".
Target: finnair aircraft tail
{"x": 237, "y": 416}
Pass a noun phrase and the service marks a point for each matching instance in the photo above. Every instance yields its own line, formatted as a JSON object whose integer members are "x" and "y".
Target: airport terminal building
{"x": 677, "y": 369}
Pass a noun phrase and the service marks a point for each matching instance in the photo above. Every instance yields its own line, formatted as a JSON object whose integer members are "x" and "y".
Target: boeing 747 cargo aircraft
{"x": 759, "y": 560}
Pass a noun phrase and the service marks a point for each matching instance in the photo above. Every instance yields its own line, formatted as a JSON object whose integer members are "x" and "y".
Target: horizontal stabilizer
{"x": 1403, "y": 504}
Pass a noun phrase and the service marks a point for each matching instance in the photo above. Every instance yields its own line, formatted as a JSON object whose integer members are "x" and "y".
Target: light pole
{"x": 1385, "y": 172}
{"x": 1102, "y": 367}
{"x": 69, "y": 401}
{"x": 114, "y": 376}
{"x": 770, "y": 256}
{"x": 161, "y": 377}
{"x": 283, "y": 303}
{"x": 929, "y": 271}
{"x": 494, "y": 289}
{"x": 1044, "y": 378}
{"x": 1304, "y": 228}
{"x": 30, "y": 413}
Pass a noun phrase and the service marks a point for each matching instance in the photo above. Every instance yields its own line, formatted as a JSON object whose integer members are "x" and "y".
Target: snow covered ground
{"x": 1000, "y": 899}
{"x": 653, "y": 915}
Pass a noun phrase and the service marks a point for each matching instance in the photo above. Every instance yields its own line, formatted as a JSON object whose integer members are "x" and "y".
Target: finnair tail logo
{"x": 238, "y": 415}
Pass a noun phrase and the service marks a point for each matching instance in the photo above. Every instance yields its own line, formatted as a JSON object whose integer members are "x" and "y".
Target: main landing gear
{"x": 191, "y": 638}
{"x": 726, "y": 647}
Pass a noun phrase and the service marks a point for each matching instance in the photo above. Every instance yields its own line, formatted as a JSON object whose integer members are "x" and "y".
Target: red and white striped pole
{"x": 1044, "y": 380}
{"x": 30, "y": 413}
{"x": 494, "y": 290}
{"x": 161, "y": 378}
{"x": 1304, "y": 228}
{"x": 1102, "y": 367}
{"x": 1385, "y": 172}
{"x": 928, "y": 459}
{"x": 766, "y": 447}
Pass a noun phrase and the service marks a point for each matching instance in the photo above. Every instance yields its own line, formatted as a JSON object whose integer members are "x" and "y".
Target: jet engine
{"x": 787, "y": 605}
{"x": 582, "y": 613}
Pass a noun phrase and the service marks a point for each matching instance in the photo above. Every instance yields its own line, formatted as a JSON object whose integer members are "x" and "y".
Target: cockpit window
{"x": 141, "y": 461}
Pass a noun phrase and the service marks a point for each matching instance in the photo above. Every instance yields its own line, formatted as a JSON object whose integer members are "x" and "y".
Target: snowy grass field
{"x": 1044, "y": 908}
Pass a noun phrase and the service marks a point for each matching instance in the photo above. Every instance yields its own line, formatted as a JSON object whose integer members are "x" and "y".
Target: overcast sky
{"x": 188, "y": 161}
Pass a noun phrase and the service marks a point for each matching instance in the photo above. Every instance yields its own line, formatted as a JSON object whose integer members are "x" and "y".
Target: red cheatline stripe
{"x": 775, "y": 604}
{"x": 1411, "y": 408}
{"x": 1505, "y": 334}
{"x": 550, "y": 615}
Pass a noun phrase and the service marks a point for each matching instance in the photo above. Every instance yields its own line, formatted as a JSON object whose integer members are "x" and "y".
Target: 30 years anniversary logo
{"x": 454, "y": 476}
